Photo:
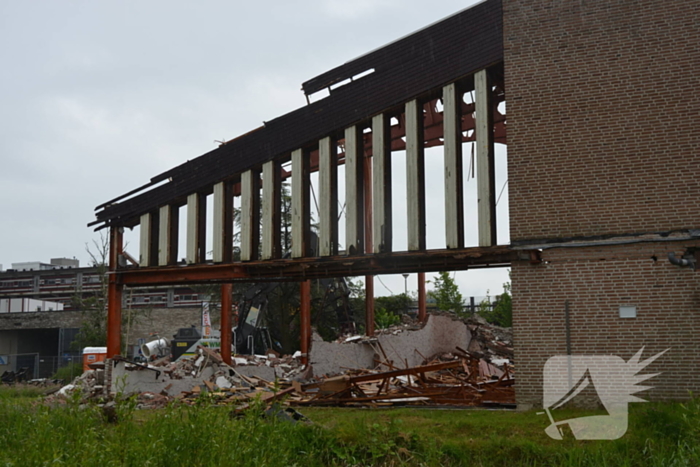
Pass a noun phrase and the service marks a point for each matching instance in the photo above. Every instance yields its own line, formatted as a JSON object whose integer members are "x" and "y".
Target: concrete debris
{"x": 445, "y": 361}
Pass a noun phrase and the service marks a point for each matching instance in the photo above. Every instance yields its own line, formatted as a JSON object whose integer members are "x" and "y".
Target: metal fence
{"x": 41, "y": 366}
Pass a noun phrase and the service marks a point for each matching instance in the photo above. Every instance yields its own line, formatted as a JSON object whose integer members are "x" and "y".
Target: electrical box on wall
{"x": 628, "y": 311}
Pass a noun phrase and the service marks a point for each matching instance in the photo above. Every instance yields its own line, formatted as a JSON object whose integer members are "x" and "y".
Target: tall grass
{"x": 76, "y": 434}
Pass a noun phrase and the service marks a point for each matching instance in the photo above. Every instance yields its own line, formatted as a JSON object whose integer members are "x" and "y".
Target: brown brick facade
{"x": 603, "y": 140}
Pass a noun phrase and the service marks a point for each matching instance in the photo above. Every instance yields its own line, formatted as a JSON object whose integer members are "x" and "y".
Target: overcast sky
{"x": 98, "y": 97}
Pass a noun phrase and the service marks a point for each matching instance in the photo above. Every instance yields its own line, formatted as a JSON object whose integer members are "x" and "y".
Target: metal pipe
{"x": 682, "y": 262}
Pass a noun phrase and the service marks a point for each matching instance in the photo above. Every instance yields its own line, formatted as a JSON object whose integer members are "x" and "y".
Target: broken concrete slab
{"x": 404, "y": 349}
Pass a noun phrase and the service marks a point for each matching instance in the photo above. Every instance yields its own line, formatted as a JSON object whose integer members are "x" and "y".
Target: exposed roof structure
{"x": 409, "y": 68}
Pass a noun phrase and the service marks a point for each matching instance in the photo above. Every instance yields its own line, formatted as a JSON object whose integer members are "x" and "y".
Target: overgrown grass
{"x": 75, "y": 434}
{"x": 20, "y": 391}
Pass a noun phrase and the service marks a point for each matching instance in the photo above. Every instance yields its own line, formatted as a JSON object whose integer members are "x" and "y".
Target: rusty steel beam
{"x": 422, "y": 314}
{"x": 305, "y": 320}
{"x": 301, "y": 269}
{"x": 369, "y": 279}
{"x": 114, "y": 294}
{"x": 226, "y": 309}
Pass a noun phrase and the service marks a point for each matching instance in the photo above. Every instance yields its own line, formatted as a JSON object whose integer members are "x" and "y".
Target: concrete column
{"x": 328, "y": 193}
{"x": 192, "y": 253}
{"x": 164, "y": 232}
{"x": 168, "y": 233}
{"x": 354, "y": 191}
{"x": 485, "y": 164}
{"x": 454, "y": 196}
{"x": 250, "y": 215}
{"x": 381, "y": 180}
{"x": 145, "y": 240}
{"x": 415, "y": 176}
{"x": 223, "y": 222}
{"x": 301, "y": 205}
{"x": 226, "y": 309}
{"x": 272, "y": 215}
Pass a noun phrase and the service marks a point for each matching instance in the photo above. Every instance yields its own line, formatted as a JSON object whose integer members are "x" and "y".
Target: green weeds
{"x": 82, "y": 435}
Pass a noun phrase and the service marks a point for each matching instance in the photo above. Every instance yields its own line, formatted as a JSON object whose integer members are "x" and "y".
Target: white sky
{"x": 98, "y": 97}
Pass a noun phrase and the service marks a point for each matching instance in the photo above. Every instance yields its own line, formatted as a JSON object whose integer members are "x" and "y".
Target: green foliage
{"x": 69, "y": 372}
{"x": 384, "y": 319}
{"x": 446, "y": 293}
{"x": 395, "y": 304}
{"x": 500, "y": 314}
{"x": 388, "y": 310}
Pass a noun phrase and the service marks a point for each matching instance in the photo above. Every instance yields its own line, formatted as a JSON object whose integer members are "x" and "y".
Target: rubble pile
{"x": 490, "y": 342}
{"x": 456, "y": 379}
{"x": 480, "y": 375}
{"x": 90, "y": 385}
{"x": 286, "y": 367}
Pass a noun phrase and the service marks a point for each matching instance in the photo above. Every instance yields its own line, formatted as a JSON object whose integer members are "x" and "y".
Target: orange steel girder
{"x": 114, "y": 294}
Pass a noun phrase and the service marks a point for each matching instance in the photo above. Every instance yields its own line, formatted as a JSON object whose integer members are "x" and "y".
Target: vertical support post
{"x": 369, "y": 279}
{"x": 305, "y": 320}
{"x": 223, "y": 222}
{"x": 250, "y": 215}
{"x": 145, "y": 240}
{"x": 485, "y": 161}
{"x": 192, "y": 228}
{"x": 354, "y": 191}
{"x": 226, "y": 309}
{"x": 272, "y": 211}
{"x": 454, "y": 197}
{"x": 114, "y": 294}
{"x": 328, "y": 190}
{"x": 415, "y": 176}
{"x": 422, "y": 314}
{"x": 301, "y": 205}
{"x": 164, "y": 234}
{"x": 381, "y": 166}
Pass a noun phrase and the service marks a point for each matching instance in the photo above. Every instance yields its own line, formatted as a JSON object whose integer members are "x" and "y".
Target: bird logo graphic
{"x": 593, "y": 380}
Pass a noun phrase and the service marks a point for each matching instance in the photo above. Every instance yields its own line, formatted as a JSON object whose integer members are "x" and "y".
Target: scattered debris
{"x": 480, "y": 375}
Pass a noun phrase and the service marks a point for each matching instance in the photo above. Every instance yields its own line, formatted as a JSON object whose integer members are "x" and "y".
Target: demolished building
{"x": 602, "y": 152}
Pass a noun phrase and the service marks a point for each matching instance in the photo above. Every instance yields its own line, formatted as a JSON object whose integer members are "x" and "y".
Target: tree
{"x": 446, "y": 293}
{"x": 93, "y": 327}
{"x": 500, "y": 312}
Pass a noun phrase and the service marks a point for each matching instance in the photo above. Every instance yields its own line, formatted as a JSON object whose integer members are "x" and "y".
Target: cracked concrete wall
{"x": 142, "y": 380}
{"x": 440, "y": 334}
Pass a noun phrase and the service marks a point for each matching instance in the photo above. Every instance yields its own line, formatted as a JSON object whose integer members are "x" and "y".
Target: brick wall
{"x": 597, "y": 281}
{"x": 603, "y": 112}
